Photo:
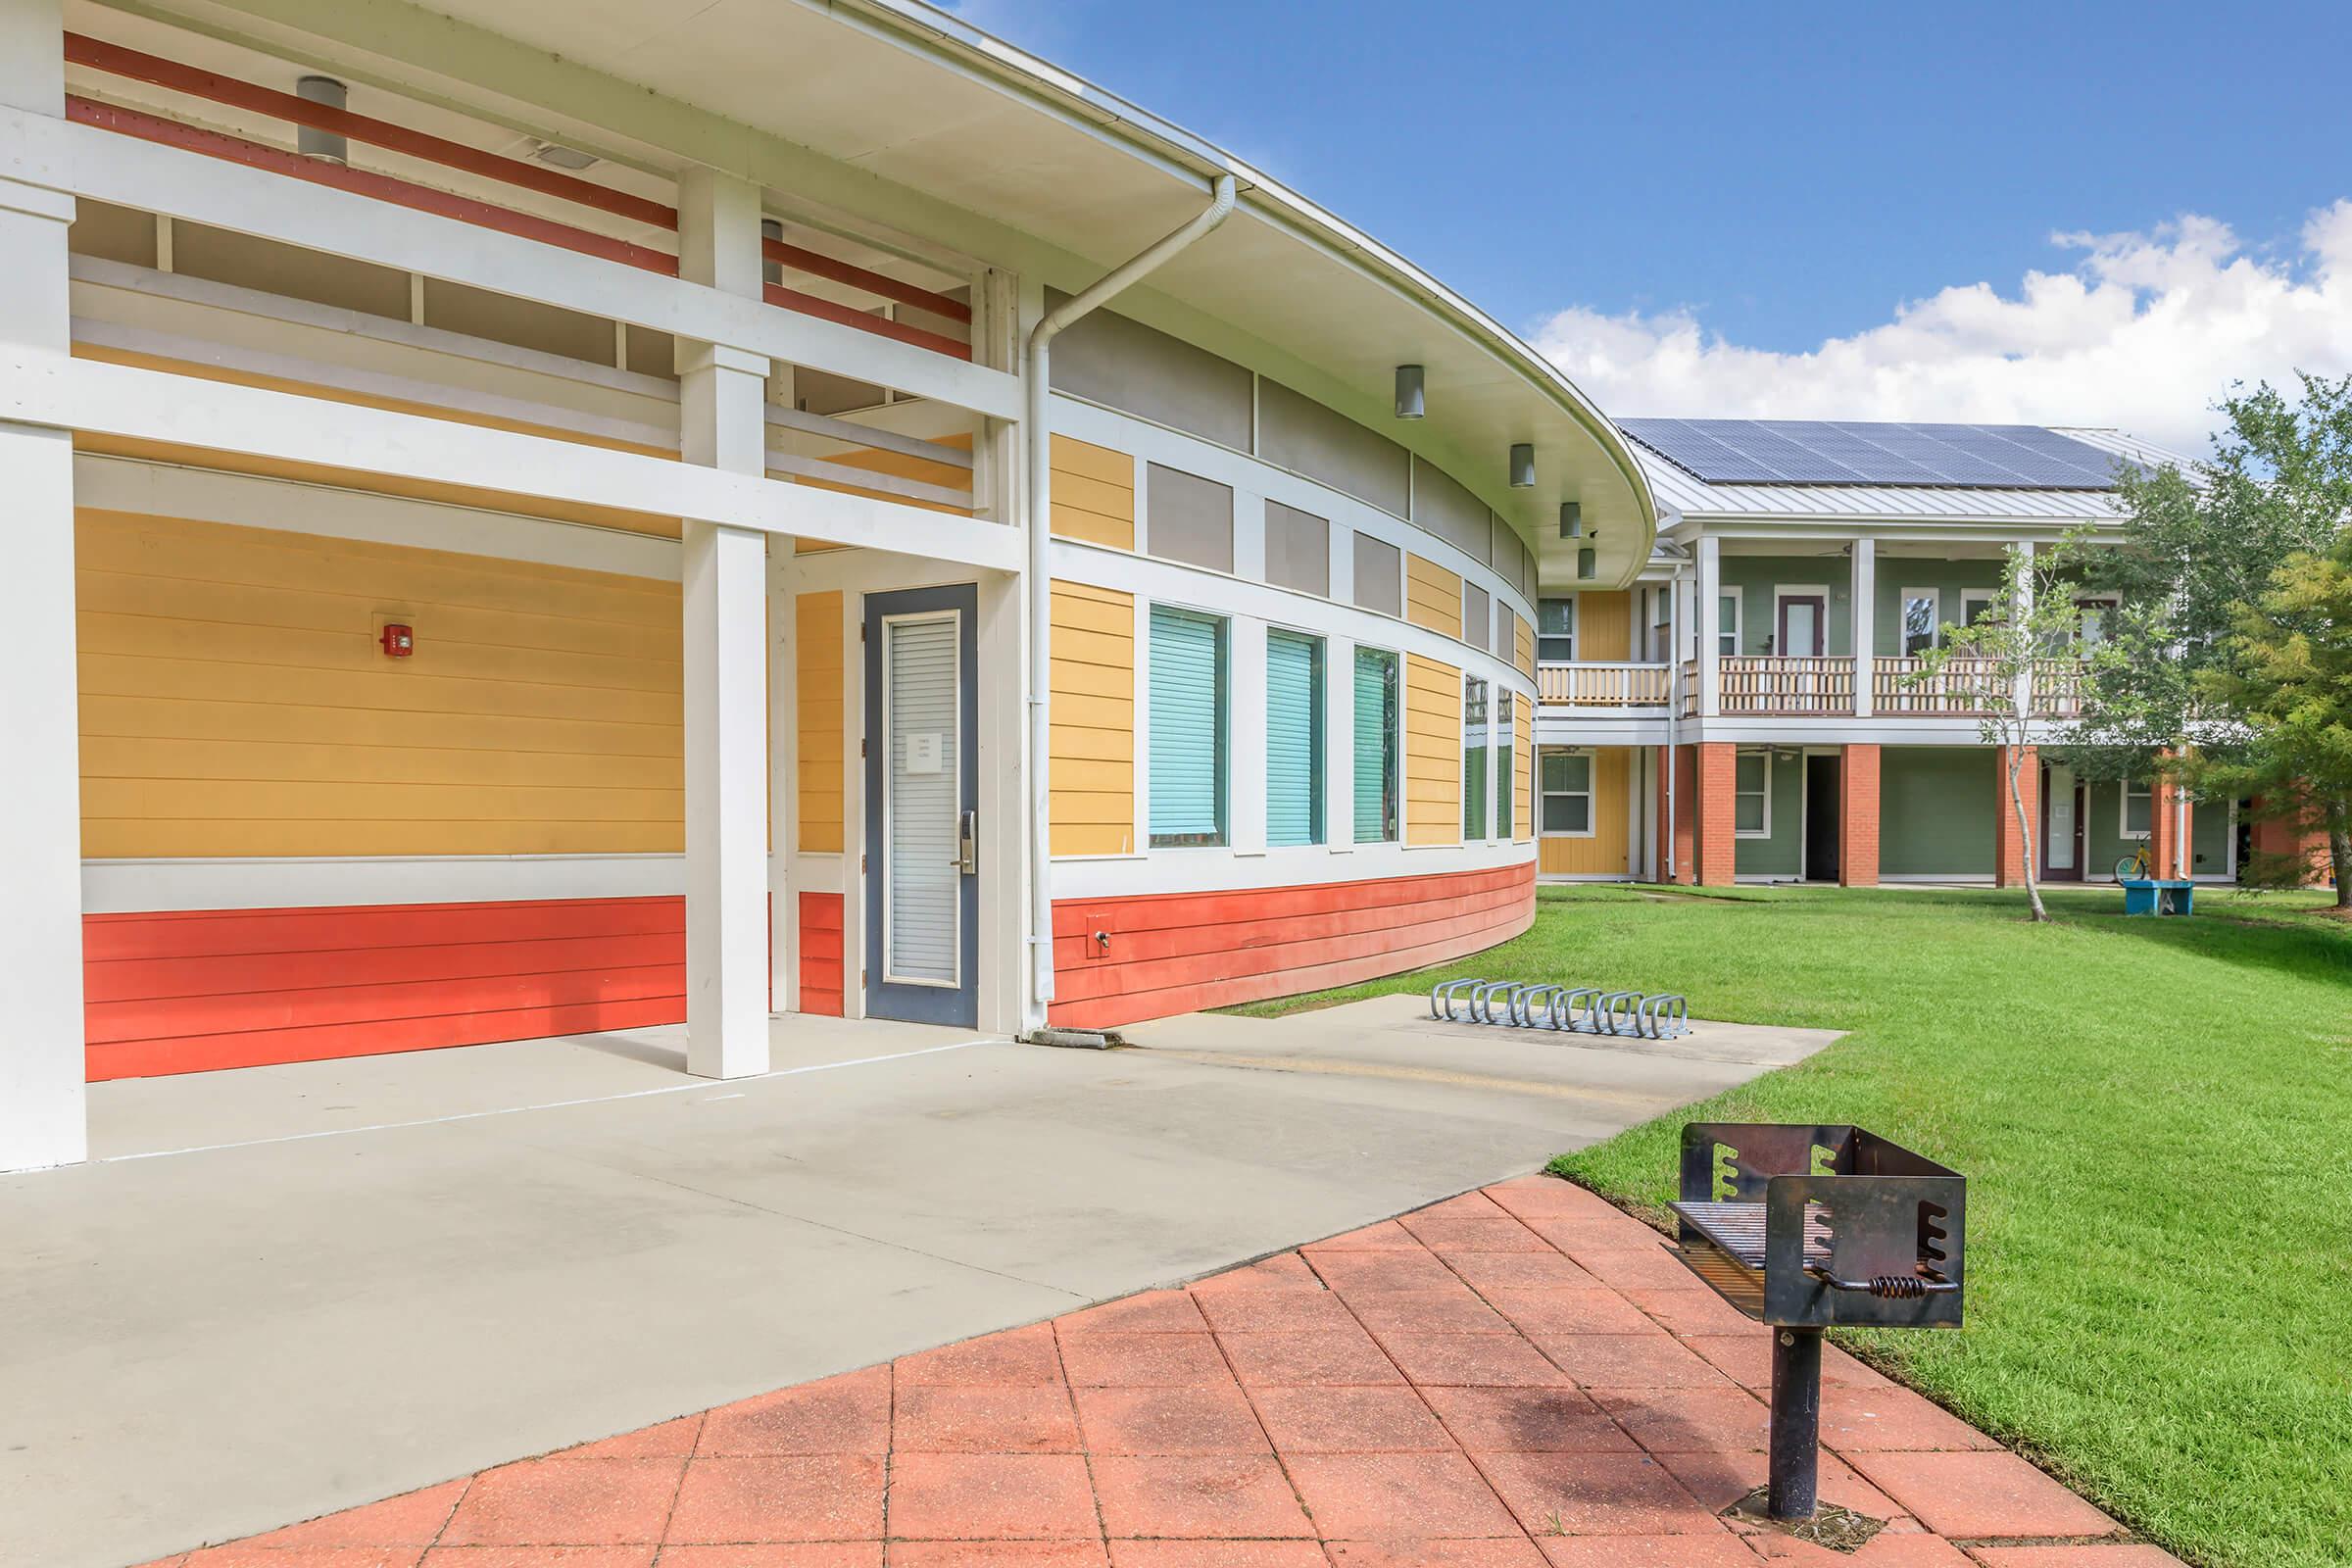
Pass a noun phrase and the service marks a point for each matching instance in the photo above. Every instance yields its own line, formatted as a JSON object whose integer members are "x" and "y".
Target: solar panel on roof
{"x": 2002, "y": 456}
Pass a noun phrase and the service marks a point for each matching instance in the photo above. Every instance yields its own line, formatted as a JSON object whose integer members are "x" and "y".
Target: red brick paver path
{"x": 1510, "y": 1379}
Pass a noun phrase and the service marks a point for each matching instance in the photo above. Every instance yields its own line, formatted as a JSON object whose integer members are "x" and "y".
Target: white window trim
{"x": 1975, "y": 596}
{"x": 1592, "y": 806}
{"x": 2123, "y": 811}
{"x": 1902, "y": 627}
{"x": 1396, "y": 751}
{"x": 2111, "y": 601}
{"x": 1737, "y": 630}
{"x": 1800, "y": 590}
{"x": 1502, "y": 746}
{"x": 1765, "y": 831}
{"x": 1569, "y": 636}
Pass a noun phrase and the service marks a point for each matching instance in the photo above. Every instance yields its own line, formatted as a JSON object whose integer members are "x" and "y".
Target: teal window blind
{"x": 1293, "y": 739}
{"x": 1475, "y": 782}
{"x": 1376, "y": 717}
{"x": 1188, "y": 728}
{"x": 1506, "y": 759}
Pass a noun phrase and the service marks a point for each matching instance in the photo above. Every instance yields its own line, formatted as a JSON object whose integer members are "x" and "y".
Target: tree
{"x": 2285, "y": 682}
{"x": 2005, "y": 668}
{"x": 2195, "y": 552}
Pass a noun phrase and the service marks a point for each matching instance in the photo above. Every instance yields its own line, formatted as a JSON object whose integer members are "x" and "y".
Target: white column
{"x": 42, "y": 1115}
{"x": 1865, "y": 621}
{"x": 783, "y": 781}
{"x": 2024, "y": 613}
{"x": 722, "y": 391}
{"x": 1710, "y": 639}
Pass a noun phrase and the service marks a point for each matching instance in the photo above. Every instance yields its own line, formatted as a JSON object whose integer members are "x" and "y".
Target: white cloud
{"x": 2144, "y": 332}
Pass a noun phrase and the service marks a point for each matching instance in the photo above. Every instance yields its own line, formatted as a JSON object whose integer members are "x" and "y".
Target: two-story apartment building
{"x": 1752, "y": 706}
{"x": 528, "y": 519}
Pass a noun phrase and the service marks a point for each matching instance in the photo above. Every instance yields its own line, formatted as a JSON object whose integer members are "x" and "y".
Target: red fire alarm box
{"x": 399, "y": 641}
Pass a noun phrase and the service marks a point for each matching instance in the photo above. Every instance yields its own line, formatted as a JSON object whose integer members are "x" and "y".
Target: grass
{"x": 2155, "y": 1118}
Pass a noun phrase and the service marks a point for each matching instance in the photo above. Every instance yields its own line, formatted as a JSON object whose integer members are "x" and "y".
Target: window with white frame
{"x": 1566, "y": 809}
{"x": 1506, "y": 763}
{"x": 1751, "y": 795}
{"x": 2096, "y": 621}
{"x": 2140, "y": 808}
{"x": 1923, "y": 621}
{"x": 1379, "y": 715}
{"x": 1974, "y": 605}
{"x": 1477, "y": 781}
{"x": 1728, "y": 616}
{"x": 1188, "y": 758}
{"x": 1294, "y": 738}
{"x": 1556, "y": 631}
{"x": 1661, "y": 624}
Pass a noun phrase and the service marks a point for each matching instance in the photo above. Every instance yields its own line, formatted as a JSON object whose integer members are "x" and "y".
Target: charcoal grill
{"x": 1805, "y": 1227}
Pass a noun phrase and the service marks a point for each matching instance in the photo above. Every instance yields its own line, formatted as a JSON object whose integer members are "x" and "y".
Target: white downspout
{"x": 1674, "y": 716}
{"x": 1040, "y": 597}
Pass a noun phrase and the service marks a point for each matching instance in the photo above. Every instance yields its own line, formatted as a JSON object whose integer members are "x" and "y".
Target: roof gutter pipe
{"x": 1040, "y": 599}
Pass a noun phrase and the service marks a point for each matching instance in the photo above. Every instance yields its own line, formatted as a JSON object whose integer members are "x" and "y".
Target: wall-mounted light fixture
{"x": 1523, "y": 465}
{"x": 562, "y": 157}
{"x": 1409, "y": 404}
{"x": 1572, "y": 519}
{"x": 325, "y": 145}
{"x": 1588, "y": 564}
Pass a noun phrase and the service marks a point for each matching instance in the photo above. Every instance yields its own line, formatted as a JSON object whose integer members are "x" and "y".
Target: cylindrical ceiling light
{"x": 1572, "y": 519}
{"x": 1523, "y": 465}
{"x": 1588, "y": 564}
{"x": 326, "y": 145}
{"x": 1409, "y": 404}
{"x": 770, "y": 270}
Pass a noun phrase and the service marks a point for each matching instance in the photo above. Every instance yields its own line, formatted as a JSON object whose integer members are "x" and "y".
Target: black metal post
{"x": 1795, "y": 1465}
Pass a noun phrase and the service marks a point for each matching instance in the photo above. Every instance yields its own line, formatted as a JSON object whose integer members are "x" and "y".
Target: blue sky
{"x": 1775, "y": 178}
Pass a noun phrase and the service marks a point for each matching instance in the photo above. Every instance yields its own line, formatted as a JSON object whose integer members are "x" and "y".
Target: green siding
{"x": 1780, "y": 854}
{"x": 2103, "y": 834}
{"x": 1935, "y": 810}
{"x": 1949, "y": 577}
{"x": 2209, "y": 837}
{"x": 1756, "y": 576}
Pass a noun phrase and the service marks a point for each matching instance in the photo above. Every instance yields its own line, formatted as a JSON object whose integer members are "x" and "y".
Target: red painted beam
{"x": 817, "y": 264}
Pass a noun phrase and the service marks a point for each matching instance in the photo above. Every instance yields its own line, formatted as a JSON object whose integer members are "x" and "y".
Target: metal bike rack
{"x": 1562, "y": 1008}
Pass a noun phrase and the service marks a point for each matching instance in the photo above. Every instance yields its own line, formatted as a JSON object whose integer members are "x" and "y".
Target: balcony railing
{"x": 1963, "y": 687}
{"x": 1757, "y": 683}
{"x": 1604, "y": 685}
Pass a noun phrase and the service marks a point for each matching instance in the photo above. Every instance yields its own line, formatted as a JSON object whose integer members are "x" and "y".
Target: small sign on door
{"x": 922, "y": 753}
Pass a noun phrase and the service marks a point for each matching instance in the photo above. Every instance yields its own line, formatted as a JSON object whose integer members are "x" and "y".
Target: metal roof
{"x": 1681, "y": 493}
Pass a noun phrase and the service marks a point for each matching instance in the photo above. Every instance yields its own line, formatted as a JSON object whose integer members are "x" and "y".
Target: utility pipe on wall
{"x": 1040, "y": 598}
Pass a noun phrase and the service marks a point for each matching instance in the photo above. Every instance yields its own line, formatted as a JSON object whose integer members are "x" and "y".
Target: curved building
{"x": 534, "y": 518}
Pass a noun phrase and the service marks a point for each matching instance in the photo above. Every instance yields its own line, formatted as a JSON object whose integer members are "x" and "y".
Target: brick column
{"x": 2008, "y": 843}
{"x": 1858, "y": 817}
{"x": 1717, "y": 772}
{"x": 2170, "y": 818}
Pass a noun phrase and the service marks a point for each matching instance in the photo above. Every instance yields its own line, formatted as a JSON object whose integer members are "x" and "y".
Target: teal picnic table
{"x": 2159, "y": 896}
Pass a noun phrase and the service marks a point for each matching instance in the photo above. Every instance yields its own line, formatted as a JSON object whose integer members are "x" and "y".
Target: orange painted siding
{"x": 1432, "y": 751}
{"x": 822, "y": 953}
{"x": 1094, "y": 720}
{"x": 1604, "y": 626}
{"x": 1093, "y": 492}
{"x": 1523, "y": 765}
{"x": 1603, "y": 853}
{"x": 822, "y": 706}
{"x": 1433, "y": 596}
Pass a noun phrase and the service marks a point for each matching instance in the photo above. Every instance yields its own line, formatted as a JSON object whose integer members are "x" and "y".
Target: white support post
{"x": 722, "y": 395}
{"x": 2024, "y": 617}
{"x": 1710, "y": 638}
{"x": 1865, "y": 621}
{"x": 43, "y": 1116}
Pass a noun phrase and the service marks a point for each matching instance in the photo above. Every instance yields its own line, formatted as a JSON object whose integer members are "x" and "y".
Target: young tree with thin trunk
{"x": 2010, "y": 668}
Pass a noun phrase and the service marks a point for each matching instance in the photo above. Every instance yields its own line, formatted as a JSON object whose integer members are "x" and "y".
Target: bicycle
{"x": 2137, "y": 867}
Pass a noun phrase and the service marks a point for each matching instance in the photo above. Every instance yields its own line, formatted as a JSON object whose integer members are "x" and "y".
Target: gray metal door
{"x": 922, "y": 802}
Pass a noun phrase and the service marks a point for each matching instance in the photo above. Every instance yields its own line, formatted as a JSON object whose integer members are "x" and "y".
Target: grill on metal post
{"x": 1803, "y": 1227}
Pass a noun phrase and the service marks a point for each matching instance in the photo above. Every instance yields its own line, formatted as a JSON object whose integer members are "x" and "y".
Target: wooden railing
{"x": 1604, "y": 685}
{"x": 1965, "y": 688}
{"x": 1757, "y": 683}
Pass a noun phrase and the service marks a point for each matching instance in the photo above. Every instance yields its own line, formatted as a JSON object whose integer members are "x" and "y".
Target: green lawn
{"x": 2155, "y": 1119}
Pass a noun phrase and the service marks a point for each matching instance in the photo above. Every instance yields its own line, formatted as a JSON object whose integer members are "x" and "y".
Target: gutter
{"x": 1038, "y": 438}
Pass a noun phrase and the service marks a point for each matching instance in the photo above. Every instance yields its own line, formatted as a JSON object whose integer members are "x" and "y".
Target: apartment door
{"x": 1800, "y": 633}
{"x": 923, "y": 797}
{"x": 1822, "y": 786}
{"x": 2062, "y": 825}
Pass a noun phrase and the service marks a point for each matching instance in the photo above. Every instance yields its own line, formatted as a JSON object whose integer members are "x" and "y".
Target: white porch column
{"x": 1865, "y": 621}
{"x": 722, "y": 392}
{"x": 1710, "y": 631}
{"x": 2024, "y": 613}
{"x": 42, "y": 1117}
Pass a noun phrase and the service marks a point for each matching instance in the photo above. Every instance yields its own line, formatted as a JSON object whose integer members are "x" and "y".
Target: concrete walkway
{"x": 1518, "y": 1378}
{"x": 287, "y": 1291}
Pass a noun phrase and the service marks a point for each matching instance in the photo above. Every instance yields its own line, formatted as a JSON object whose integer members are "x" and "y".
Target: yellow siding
{"x": 235, "y": 701}
{"x": 1433, "y": 596}
{"x": 1094, "y": 720}
{"x": 1432, "y": 751}
{"x": 1093, "y": 492}
{"x": 1523, "y": 761}
{"x": 820, "y": 693}
{"x": 1603, "y": 853}
{"x": 1526, "y": 646}
{"x": 1604, "y": 626}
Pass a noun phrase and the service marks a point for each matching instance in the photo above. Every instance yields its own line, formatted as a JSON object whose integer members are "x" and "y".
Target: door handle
{"x": 967, "y": 843}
